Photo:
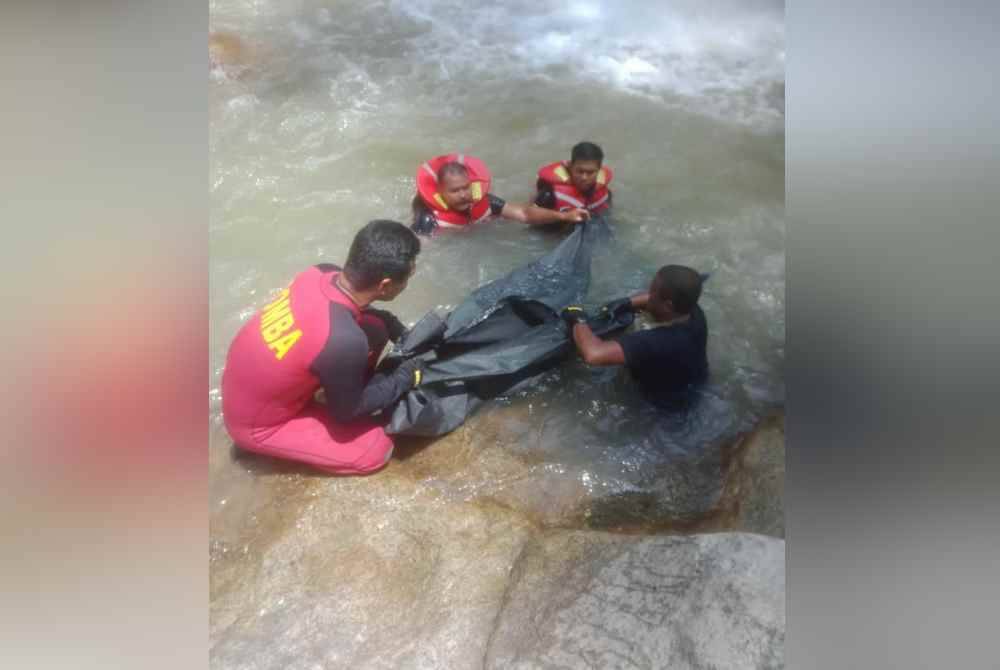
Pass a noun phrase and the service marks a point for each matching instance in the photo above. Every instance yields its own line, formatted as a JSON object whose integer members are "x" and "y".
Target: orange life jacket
{"x": 427, "y": 187}
{"x": 568, "y": 196}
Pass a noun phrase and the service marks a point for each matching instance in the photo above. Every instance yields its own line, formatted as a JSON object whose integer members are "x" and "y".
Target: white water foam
{"x": 717, "y": 57}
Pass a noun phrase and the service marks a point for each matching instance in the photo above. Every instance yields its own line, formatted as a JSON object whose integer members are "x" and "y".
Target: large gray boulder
{"x": 470, "y": 553}
{"x": 362, "y": 573}
{"x": 596, "y": 600}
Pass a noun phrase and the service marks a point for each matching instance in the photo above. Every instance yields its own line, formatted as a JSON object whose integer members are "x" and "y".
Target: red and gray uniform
{"x": 313, "y": 336}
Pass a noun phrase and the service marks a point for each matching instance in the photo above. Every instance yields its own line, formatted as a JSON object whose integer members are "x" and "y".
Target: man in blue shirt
{"x": 667, "y": 358}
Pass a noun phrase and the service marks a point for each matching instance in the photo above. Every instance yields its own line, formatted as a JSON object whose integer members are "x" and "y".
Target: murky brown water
{"x": 322, "y": 113}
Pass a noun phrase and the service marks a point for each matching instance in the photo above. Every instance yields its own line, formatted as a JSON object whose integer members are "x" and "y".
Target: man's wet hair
{"x": 450, "y": 168}
{"x": 679, "y": 284}
{"x": 381, "y": 249}
{"x": 586, "y": 151}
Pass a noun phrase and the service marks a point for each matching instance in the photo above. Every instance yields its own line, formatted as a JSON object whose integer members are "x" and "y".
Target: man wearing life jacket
{"x": 321, "y": 333}
{"x": 453, "y": 191}
{"x": 581, "y": 183}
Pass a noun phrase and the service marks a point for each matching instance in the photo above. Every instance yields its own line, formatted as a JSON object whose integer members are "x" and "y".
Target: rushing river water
{"x": 320, "y": 120}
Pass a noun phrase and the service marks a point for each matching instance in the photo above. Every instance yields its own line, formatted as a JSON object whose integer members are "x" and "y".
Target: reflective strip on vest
{"x": 448, "y": 224}
{"x": 599, "y": 201}
{"x": 426, "y": 166}
{"x": 561, "y": 173}
{"x": 570, "y": 199}
{"x": 487, "y": 214}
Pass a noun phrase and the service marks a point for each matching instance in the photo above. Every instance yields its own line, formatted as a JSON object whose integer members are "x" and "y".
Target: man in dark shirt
{"x": 667, "y": 358}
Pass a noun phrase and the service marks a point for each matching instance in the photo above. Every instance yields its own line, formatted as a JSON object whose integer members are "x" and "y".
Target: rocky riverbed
{"x": 462, "y": 556}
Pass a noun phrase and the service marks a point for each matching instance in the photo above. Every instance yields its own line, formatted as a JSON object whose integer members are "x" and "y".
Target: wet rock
{"x": 757, "y": 479}
{"x": 373, "y": 572}
{"x": 597, "y": 600}
{"x": 736, "y": 485}
{"x": 458, "y": 553}
{"x": 226, "y": 49}
{"x": 679, "y": 494}
{"x": 229, "y": 55}
{"x": 480, "y": 463}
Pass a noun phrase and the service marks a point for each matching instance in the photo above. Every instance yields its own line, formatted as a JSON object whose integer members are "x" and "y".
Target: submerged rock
{"x": 479, "y": 463}
{"x": 736, "y": 485}
{"x": 598, "y": 600}
{"x": 757, "y": 479}
{"x": 226, "y": 49}
{"x": 728, "y": 484}
{"x": 229, "y": 55}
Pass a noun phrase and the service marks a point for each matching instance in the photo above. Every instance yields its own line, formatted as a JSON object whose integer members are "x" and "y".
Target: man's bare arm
{"x": 534, "y": 215}
{"x": 594, "y": 350}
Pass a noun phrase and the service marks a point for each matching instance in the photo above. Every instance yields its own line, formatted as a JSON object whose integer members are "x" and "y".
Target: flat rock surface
{"x": 596, "y": 600}
{"x": 362, "y": 573}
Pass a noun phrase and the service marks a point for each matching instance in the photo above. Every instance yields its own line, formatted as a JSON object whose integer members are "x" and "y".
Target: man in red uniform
{"x": 320, "y": 332}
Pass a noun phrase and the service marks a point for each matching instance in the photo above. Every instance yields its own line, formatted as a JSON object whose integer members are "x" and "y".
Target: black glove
{"x": 573, "y": 315}
{"x": 424, "y": 223}
{"x": 393, "y": 326}
{"x": 618, "y": 306}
